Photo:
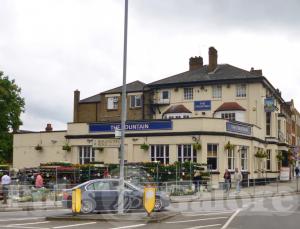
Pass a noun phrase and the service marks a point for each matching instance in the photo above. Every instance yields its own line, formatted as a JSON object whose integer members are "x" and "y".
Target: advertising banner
{"x": 285, "y": 173}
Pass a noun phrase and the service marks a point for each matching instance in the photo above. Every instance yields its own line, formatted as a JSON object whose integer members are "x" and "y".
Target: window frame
{"x": 244, "y": 159}
{"x": 216, "y": 156}
{"x": 162, "y": 94}
{"x": 115, "y": 104}
{"x": 230, "y": 116}
{"x": 154, "y": 155}
{"x": 135, "y": 98}
{"x": 232, "y": 159}
{"x": 86, "y": 154}
{"x": 189, "y": 155}
{"x": 268, "y": 123}
{"x": 217, "y": 91}
{"x": 269, "y": 160}
{"x": 188, "y": 93}
{"x": 241, "y": 90}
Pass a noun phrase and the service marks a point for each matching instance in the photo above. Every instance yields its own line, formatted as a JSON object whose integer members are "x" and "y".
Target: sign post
{"x": 149, "y": 199}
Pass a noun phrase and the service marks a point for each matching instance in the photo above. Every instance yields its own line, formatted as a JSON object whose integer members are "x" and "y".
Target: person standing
{"x": 197, "y": 181}
{"x": 297, "y": 171}
{"x": 238, "y": 179}
{"x": 5, "y": 182}
{"x": 227, "y": 180}
{"x": 39, "y": 182}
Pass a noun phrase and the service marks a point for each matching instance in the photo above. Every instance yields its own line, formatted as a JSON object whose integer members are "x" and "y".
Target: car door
{"x": 105, "y": 197}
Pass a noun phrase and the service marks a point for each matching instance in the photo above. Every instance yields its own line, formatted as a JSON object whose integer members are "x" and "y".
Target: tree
{"x": 11, "y": 107}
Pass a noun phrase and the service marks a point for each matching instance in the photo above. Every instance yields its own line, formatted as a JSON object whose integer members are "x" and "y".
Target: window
{"x": 217, "y": 91}
{"x": 188, "y": 93}
{"x": 112, "y": 103}
{"x": 268, "y": 123}
{"x": 174, "y": 115}
{"x": 241, "y": 90}
{"x": 160, "y": 153}
{"x": 99, "y": 186}
{"x": 229, "y": 116}
{"x": 165, "y": 95}
{"x": 230, "y": 159}
{"x": 86, "y": 154}
{"x": 268, "y": 159}
{"x": 186, "y": 153}
{"x": 244, "y": 158}
{"x": 212, "y": 156}
{"x": 135, "y": 101}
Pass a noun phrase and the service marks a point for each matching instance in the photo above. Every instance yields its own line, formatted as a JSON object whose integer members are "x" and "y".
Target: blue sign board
{"x": 204, "y": 105}
{"x": 238, "y": 128}
{"x": 132, "y": 126}
{"x": 269, "y": 104}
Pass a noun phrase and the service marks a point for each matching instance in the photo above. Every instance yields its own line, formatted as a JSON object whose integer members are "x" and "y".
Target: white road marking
{"x": 20, "y": 224}
{"x": 130, "y": 226}
{"x": 215, "y": 213}
{"x": 207, "y": 212}
{"x": 194, "y": 220}
{"x": 231, "y": 218}
{"x": 20, "y": 219}
{"x": 75, "y": 225}
{"x": 205, "y": 226}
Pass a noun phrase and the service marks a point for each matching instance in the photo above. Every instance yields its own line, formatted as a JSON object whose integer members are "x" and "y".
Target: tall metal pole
{"x": 123, "y": 117}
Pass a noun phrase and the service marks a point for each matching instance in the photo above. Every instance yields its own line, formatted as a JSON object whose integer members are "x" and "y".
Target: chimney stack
{"x": 48, "y": 127}
{"x": 256, "y": 72}
{"x": 213, "y": 59}
{"x": 196, "y": 62}
{"x": 76, "y": 104}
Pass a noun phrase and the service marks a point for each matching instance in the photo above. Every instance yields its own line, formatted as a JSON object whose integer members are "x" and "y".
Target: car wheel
{"x": 87, "y": 206}
{"x": 158, "y": 204}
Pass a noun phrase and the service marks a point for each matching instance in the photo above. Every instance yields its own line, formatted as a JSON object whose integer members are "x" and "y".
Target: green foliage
{"x": 260, "y": 154}
{"x": 279, "y": 157}
{"x": 229, "y": 146}
{"x": 197, "y": 146}
{"x": 144, "y": 146}
{"x": 67, "y": 147}
{"x": 11, "y": 107}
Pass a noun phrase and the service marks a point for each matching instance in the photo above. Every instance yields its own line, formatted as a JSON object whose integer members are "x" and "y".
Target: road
{"x": 275, "y": 212}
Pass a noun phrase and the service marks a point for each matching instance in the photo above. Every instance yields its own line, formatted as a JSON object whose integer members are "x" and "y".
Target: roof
{"x": 222, "y": 72}
{"x": 177, "y": 109}
{"x": 230, "y": 106}
{"x": 135, "y": 86}
{"x": 91, "y": 99}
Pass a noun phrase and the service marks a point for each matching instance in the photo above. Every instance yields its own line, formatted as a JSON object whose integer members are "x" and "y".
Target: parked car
{"x": 102, "y": 195}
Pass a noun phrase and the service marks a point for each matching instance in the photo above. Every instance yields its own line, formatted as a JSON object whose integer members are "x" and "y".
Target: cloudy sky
{"x": 54, "y": 47}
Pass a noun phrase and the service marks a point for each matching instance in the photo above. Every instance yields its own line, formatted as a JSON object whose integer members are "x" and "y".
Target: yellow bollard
{"x": 76, "y": 200}
{"x": 149, "y": 199}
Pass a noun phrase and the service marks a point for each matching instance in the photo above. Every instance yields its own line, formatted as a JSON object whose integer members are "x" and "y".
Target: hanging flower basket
{"x": 144, "y": 146}
{"x": 38, "y": 148}
{"x": 279, "y": 157}
{"x": 67, "y": 148}
{"x": 197, "y": 146}
{"x": 99, "y": 148}
{"x": 260, "y": 154}
{"x": 229, "y": 146}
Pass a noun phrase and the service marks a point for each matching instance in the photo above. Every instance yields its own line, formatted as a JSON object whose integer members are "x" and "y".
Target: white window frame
{"x": 134, "y": 99}
{"x": 166, "y": 153}
{"x": 112, "y": 103}
{"x": 86, "y": 153}
{"x": 190, "y": 153}
{"x": 232, "y": 159}
{"x": 188, "y": 93}
{"x": 229, "y": 116}
{"x": 241, "y": 90}
{"x": 162, "y": 94}
{"x": 217, "y": 154}
{"x": 244, "y": 158}
{"x": 217, "y": 91}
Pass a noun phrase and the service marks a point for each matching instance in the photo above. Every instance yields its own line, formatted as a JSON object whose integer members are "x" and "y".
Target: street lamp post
{"x": 123, "y": 117}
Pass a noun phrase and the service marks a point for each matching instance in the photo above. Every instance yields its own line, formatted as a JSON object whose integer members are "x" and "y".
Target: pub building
{"x": 232, "y": 113}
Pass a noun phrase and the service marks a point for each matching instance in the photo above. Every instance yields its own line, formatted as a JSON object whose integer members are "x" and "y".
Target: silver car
{"x": 103, "y": 194}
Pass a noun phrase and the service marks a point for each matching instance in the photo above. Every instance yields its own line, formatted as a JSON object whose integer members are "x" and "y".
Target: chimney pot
{"x": 213, "y": 59}
{"x": 49, "y": 127}
{"x": 196, "y": 62}
{"x": 256, "y": 71}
